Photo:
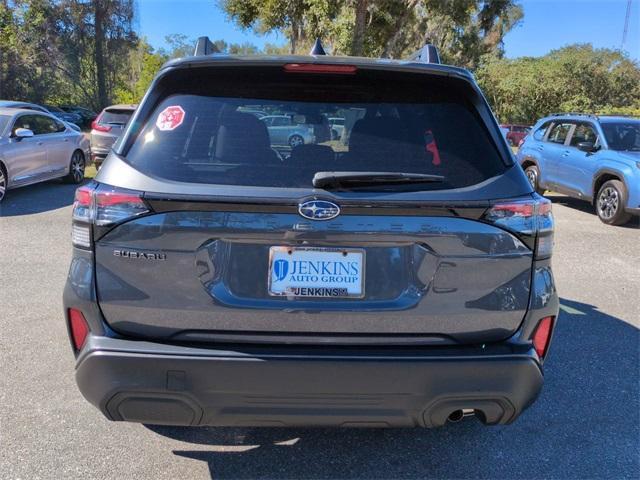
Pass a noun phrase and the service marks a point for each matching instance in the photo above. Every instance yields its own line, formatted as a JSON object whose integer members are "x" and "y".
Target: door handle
{"x": 540, "y": 147}
{"x": 38, "y": 143}
{"x": 566, "y": 153}
{"x": 66, "y": 139}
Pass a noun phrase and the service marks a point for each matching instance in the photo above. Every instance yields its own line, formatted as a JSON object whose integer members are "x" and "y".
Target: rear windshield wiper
{"x": 328, "y": 180}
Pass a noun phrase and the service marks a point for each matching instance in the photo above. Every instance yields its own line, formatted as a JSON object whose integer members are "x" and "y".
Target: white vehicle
{"x": 36, "y": 146}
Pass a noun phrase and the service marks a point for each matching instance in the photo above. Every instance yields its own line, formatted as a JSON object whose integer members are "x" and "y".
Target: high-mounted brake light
{"x": 78, "y": 328}
{"x": 530, "y": 218}
{"x": 320, "y": 68}
{"x": 102, "y": 206}
{"x": 96, "y": 125}
{"x": 542, "y": 335}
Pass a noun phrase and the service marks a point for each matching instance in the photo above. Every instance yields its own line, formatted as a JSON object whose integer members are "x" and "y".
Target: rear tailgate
{"x": 432, "y": 276}
{"x": 203, "y": 264}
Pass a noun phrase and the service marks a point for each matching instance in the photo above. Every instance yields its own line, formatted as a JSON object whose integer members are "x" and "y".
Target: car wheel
{"x": 612, "y": 197}
{"x": 3, "y": 183}
{"x": 295, "y": 140}
{"x": 533, "y": 175}
{"x": 76, "y": 168}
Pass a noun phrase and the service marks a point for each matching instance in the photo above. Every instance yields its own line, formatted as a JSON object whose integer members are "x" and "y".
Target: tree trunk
{"x": 99, "y": 12}
{"x": 357, "y": 47}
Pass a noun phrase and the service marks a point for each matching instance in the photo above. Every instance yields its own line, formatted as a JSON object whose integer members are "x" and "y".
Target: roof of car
{"x": 122, "y": 106}
{"x": 274, "y": 60}
{"x": 588, "y": 116}
{"x": 617, "y": 118}
{"x": 14, "y": 111}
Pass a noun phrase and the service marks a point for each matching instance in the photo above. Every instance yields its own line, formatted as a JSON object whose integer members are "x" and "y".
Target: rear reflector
{"x": 78, "y": 327}
{"x": 542, "y": 335}
{"x": 320, "y": 68}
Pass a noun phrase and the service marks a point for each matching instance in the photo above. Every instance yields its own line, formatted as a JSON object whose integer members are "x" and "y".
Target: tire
{"x": 295, "y": 140}
{"x": 533, "y": 175}
{"x": 77, "y": 165}
{"x": 610, "y": 202}
{"x": 3, "y": 183}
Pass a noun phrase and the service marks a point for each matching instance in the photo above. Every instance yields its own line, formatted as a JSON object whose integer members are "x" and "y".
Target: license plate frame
{"x": 312, "y": 292}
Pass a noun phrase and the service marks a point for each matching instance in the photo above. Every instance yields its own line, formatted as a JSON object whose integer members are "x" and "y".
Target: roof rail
{"x": 427, "y": 54}
{"x": 204, "y": 46}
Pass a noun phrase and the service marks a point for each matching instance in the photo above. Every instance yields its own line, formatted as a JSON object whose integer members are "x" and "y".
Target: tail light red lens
{"x": 78, "y": 327}
{"x": 114, "y": 206}
{"x": 102, "y": 206}
{"x": 532, "y": 218}
{"x": 542, "y": 335}
{"x": 96, "y": 125}
{"x": 320, "y": 68}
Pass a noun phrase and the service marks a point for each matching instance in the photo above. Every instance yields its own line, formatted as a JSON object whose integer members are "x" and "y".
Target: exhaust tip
{"x": 456, "y": 416}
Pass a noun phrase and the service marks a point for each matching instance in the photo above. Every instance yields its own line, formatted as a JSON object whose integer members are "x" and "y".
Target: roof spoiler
{"x": 427, "y": 54}
{"x": 204, "y": 46}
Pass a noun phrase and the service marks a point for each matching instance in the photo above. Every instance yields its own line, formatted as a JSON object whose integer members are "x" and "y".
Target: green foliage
{"x": 67, "y": 51}
{"x": 464, "y": 30}
{"x": 576, "y": 78}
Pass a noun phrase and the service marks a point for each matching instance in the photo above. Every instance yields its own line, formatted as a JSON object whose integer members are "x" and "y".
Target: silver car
{"x": 36, "y": 146}
{"x": 284, "y": 131}
{"x": 106, "y": 129}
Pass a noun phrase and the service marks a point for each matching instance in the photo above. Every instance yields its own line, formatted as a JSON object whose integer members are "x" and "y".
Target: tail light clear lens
{"x": 102, "y": 206}
{"x": 115, "y": 205}
{"x": 532, "y": 218}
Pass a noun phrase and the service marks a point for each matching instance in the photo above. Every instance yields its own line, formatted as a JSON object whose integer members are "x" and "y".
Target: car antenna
{"x": 317, "y": 49}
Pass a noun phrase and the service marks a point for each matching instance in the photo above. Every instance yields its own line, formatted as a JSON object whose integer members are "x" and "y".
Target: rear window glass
{"x": 206, "y": 131}
{"x": 116, "y": 117}
{"x": 623, "y": 135}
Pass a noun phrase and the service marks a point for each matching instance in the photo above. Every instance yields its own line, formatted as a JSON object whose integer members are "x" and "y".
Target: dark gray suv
{"x": 399, "y": 276}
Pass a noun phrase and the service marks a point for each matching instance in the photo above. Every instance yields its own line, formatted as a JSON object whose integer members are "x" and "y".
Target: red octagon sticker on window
{"x": 170, "y": 118}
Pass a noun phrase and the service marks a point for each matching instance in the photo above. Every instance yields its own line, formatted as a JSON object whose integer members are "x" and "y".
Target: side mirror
{"x": 21, "y": 133}
{"x": 588, "y": 147}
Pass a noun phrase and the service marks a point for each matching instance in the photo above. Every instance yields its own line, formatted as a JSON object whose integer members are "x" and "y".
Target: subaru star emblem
{"x": 319, "y": 210}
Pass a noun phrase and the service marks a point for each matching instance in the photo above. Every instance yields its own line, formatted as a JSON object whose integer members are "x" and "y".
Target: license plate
{"x": 316, "y": 272}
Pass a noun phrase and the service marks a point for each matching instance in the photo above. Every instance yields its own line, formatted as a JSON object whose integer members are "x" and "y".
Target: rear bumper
{"x": 165, "y": 384}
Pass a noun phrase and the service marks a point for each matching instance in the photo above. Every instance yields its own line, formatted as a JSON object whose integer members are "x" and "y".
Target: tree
{"x": 65, "y": 50}
{"x": 463, "y": 30}
{"x": 574, "y": 78}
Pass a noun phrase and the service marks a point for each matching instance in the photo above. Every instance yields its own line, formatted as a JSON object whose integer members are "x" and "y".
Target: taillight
{"x": 320, "y": 68}
{"x": 102, "y": 206}
{"x": 96, "y": 125}
{"x": 78, "y": 328}
{"x": 542, "y": 335}
{"x": 532, "y": 219}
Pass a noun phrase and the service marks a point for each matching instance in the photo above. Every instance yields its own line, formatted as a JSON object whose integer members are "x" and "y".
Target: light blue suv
{"x": 594, "y": 158}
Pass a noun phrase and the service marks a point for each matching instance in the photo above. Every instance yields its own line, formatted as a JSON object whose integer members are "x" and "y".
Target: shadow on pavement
{"x": 584, "y": 425}
{"x": 585, "y": 206}
{"x": 38, "y": 198}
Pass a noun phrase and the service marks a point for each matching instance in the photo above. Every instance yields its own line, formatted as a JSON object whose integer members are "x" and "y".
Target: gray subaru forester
{"x": 397, "y": 276}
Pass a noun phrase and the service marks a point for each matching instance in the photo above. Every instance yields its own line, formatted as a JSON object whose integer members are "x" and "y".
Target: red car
{"x": 516, "y": 133}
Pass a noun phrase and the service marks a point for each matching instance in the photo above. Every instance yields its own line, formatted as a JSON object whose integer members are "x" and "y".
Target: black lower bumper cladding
{"x": 166, "y": 384}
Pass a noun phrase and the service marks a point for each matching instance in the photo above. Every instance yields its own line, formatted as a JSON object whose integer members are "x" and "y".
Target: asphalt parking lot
{"x": 586, "y": 424}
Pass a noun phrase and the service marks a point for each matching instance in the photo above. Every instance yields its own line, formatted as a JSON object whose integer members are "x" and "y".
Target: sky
{"x": 547, "y": 25}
